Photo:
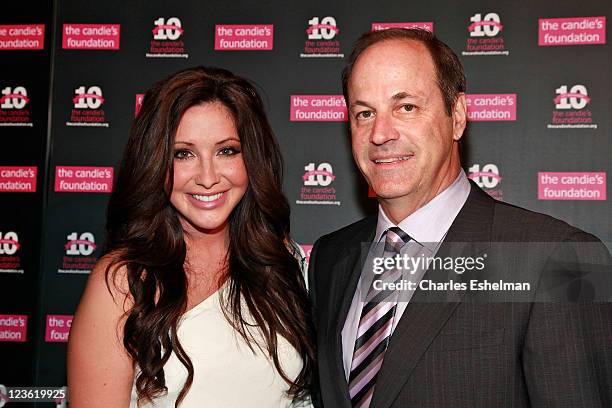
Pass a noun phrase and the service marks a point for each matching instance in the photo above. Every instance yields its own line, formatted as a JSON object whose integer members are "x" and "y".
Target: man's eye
{"x": 364, "y": 115}
{"x": 182, "y": 154}
{"x": 407, "y": 108}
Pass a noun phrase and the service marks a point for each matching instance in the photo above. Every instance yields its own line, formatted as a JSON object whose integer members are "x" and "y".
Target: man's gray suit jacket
{"x": 547, "y": 347}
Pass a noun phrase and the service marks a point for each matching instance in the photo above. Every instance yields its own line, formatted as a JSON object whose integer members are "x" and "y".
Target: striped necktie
{"x": 375, "y": 327}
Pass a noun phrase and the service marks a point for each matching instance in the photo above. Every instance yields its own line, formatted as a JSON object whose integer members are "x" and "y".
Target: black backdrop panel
{"x": 321, "y": 182}
{"x": 23, "y": 151}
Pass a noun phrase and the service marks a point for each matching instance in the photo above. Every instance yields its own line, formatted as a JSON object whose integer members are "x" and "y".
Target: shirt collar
{"x": 429, "y": 224}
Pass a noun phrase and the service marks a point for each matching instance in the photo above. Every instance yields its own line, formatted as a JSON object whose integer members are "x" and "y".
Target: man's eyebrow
{"x": 397, "y": 97}
{"x": 360, "y": 103}
{"x": 401, "y": 95}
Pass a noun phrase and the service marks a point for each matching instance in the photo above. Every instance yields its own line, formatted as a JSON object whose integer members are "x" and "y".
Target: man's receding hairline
{"x": 393, "y": 39}
{"x": 396, "y": 39}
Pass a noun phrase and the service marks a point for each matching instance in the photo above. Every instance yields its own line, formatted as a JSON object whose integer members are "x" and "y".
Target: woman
{"x": 198, "y": 300}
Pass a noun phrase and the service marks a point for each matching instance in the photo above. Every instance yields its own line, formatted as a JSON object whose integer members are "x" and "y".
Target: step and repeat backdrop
{"x": 538, "y": 134}
{"x": 25, "y": 33}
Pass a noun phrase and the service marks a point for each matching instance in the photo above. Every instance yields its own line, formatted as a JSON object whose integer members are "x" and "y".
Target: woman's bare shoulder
{"x": 110, "y": 278}
{"x": 95, "y": 348}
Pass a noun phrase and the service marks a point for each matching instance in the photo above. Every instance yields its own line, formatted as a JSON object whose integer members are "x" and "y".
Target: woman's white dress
{"x": 227, "y": 373}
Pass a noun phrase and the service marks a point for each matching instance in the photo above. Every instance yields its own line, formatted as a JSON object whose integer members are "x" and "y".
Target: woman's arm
{"x": 100, "y": 372}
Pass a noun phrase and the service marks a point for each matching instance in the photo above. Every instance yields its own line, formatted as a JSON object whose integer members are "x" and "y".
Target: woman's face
{"x": 209, "y": 173}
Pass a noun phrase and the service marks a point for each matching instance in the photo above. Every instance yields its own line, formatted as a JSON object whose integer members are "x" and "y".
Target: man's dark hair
{"x": 449, "y": 71}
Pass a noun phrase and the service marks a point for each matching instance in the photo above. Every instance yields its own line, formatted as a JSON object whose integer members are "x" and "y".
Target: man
{"x": 451, "y": 347}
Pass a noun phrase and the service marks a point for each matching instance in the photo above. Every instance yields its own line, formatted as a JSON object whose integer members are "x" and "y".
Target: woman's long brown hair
{"x": 144, "y": 235}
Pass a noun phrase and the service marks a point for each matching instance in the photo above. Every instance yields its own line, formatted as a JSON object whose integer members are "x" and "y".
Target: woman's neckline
{"x": 197, "y": 307}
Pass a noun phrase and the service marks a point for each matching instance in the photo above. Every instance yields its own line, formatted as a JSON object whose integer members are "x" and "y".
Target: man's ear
{"x": 459, "y": 116}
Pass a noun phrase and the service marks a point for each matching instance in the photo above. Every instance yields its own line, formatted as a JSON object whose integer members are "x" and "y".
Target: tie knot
{"x": 396, "y": 239}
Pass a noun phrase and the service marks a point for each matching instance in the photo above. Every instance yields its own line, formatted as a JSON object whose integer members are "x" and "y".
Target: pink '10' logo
{"x": 487, "y": 177}
{"x": 14, "y": 98}
{"x": 489, "y": 26}
{"x": 90, "y": 98}
{"x": 576, "y": 98}
{"x": 326, "y": 30}
{"x": 322, "y": 175}
{"x": 80, "y": 245}
{"x": 9, "y": 243}
{"x": 170, "y": 29}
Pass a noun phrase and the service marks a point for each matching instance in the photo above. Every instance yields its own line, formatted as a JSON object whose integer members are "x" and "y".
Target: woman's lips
{"x": 208, "y": 201}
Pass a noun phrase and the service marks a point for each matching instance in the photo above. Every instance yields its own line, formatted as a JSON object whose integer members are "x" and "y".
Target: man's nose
{"x": 383, "y": 129}
{"x": 208, "y": 174}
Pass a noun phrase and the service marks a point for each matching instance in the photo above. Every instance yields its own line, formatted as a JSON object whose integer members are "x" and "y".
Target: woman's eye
{"x": 229, "y": 151}
{"x": 182, "y": 154}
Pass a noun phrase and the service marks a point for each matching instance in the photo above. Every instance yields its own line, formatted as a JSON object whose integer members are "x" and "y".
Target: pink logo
{"x": 571, "y": 111}
{"x": 317, "y": 172}
{"x": 13, "y": 96}
{"x": 315, "y": 27}
{"x": 488, "y": 178}
{"x": 572, "y": 31}
{"x": 13, "y": 328}
{"x": 476, "y": 24}
{"x": 316, "y": 185}
{"x": 566, "y": 95}
{"x": 22, "y": 37}
{"x": 79, "y": 97}
{"x": 138, "y": 104}
{"x": 58, "y": 328}
{"x": 318, "y": 108}
{"x": 429, "y": 26}
{"x": 307, "y": 249}
{"x": 176, "y": 28}
{"x": 572, "y": 186}
{"x": 484, "y": 38}
{"x": 491, "y": 107}
{"x": 91, "y": 36}
{"x": 70, "y": 243}
{"x": 74, "y": 179}
{"x": 12, "y": 242}
{"x": 235, "y": 37}
{"x": 17, "y": 179}
{"x": 166, "y": 42}
{"x": 490, "y": 174}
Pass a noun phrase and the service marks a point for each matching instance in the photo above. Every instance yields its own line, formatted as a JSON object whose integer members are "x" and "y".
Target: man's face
{"x": 403, "y": 140}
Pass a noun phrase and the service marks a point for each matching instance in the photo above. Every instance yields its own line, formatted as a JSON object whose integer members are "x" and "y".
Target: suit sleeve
{"x": 567, "y": 352}
{"x": 311, "y": 279}
{"x": 315, "y": 389}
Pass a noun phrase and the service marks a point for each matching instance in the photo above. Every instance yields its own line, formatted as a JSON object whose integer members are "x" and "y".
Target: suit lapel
{"x": 346, "y": 276}
{"x": 469, "y": 235}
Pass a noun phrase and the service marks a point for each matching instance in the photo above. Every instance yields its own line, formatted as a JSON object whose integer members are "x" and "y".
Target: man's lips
{"x": 391, "y": 159}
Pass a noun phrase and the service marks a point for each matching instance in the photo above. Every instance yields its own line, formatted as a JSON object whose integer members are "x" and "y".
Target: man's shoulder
{"x": 511, "y": 222}
{"x": 359, "y": 231}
